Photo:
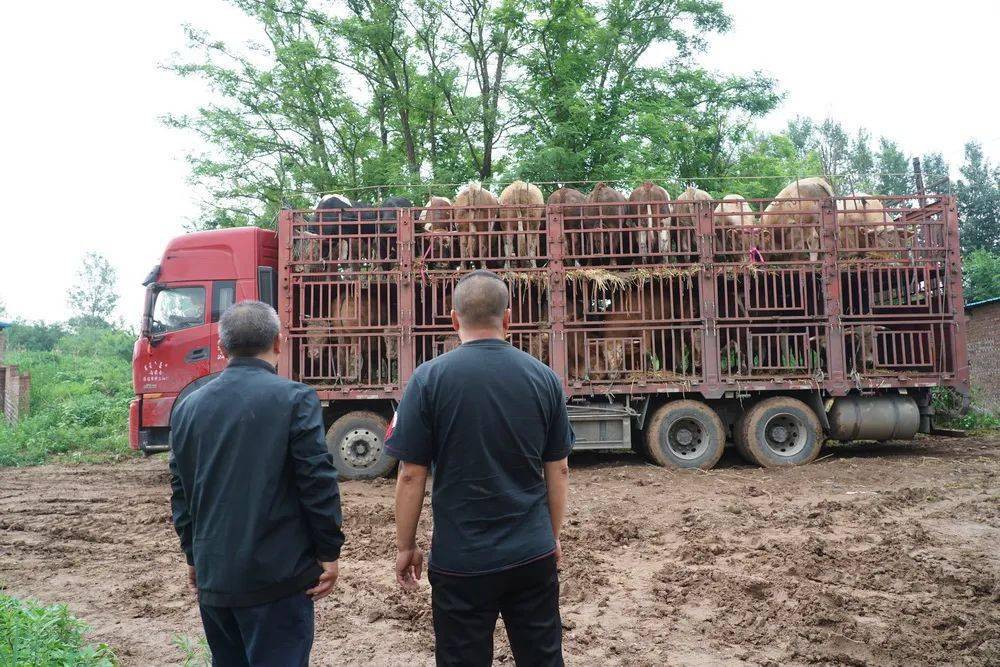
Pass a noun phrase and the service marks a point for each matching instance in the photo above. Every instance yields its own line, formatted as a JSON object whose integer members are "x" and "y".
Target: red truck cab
{"x": 200, "y": 275}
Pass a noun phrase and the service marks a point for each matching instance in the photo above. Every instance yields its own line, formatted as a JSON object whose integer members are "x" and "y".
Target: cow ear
{"x": 880, "y": 327}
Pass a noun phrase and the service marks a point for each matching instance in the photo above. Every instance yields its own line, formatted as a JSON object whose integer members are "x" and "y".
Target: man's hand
{"x": 558, "y": 552}
{"x": 327, "y": 580}
{"x": 192, "y": 580}
{"x": 409, "y": 564}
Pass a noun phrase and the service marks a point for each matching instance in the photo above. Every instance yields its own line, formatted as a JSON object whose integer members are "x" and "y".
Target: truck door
{"x": 223, "y": 296}
{"x": 180, "y": 338}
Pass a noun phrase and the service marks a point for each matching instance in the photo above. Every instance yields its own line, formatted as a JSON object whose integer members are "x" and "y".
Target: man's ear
{"x": 279, "y": 342}
{"x": 223, "y": 351}
{"x": 506, "y": 320}
{"x": 454, "y": 320}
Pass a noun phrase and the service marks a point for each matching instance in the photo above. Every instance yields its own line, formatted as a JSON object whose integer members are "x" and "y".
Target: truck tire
{"x": 685, "y": 434}
{"x": 780, "y": 432}
{"x": 357, "y": 443}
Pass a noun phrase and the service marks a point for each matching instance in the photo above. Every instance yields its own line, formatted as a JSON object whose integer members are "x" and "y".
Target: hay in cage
{"x": 605, "y": 280}
{"x": 661, "y": 376}
{"x": 522, "y": 278}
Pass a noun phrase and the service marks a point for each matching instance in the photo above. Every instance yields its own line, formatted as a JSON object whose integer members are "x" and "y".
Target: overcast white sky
{"x": 86, "y": 164}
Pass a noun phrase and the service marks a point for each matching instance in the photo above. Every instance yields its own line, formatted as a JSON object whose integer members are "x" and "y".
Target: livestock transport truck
{"x": 676, "y": 328}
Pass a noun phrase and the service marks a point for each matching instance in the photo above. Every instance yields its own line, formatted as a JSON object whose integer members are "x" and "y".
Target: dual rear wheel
{"x": 776, "y": 432}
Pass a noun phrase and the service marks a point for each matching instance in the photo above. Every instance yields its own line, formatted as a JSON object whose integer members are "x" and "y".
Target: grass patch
{"x": 80, "y": 391}
{"x": 196, "y": 653}
{"x": 34, "y": 634}
{"x": 947, "y": 406}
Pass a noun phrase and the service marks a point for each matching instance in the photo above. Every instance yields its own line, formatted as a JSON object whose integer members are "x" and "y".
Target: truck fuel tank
{"x": 891, "y": 417}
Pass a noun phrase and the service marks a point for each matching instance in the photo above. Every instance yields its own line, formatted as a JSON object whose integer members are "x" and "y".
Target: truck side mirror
{"x": 146, "y": 330}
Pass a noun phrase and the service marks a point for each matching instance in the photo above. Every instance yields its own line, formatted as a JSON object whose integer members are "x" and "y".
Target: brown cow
{"x": 585, "y": 358}
{"x": 795, "y": 224}
{"x": 858, "y": 218}
{"x": 580, "y": 243}
{"x": 307, "y": 252}
{"x": 672, "y": 351}
{"x": 865, "y": 226}
{"x": 610, "y": 217}
{"x": 317, "y": 337}
{"x": 735, "y": 233}
{"x": 523, "y": 211}
{"x": 436, "y": 223}
{"x": 357, "y": 354}
{"x": 437, "y": 214}
{"x": 475, "y": 210}
{"x": 649, "y": 216}
{"x": 685, "y": 216}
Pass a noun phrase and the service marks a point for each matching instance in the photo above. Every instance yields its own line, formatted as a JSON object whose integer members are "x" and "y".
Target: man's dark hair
{"x": 481, "y": 298}
{"x": 248, "y": 328}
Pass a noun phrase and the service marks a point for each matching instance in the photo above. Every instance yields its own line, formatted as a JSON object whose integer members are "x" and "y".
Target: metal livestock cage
{"x": 693, "y": 297}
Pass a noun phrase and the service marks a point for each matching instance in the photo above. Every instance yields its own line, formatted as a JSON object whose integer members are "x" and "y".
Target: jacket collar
{"x": 250, "y": 362}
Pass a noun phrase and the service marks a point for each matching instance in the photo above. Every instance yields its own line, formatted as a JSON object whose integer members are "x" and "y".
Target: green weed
{"x": 33, "y": 634}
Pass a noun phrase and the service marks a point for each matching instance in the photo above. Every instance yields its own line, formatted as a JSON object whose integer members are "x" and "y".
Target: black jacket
{"x": 255, "y": 497}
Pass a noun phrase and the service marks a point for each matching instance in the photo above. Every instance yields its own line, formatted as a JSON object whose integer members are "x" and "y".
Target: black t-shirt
{"x": 487, "y": 416}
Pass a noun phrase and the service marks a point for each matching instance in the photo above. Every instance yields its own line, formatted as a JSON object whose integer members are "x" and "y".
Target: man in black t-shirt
{"x": 492, "y": 422}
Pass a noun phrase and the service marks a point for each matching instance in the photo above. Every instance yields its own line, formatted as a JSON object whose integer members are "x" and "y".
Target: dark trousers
{"x": 466, "y": 609}
{"x": 278, "y": 633}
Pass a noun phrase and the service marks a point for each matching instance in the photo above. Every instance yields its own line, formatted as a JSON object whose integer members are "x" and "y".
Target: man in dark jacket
{"x": 255, "y": 499}
{"x": 492, "y": 421}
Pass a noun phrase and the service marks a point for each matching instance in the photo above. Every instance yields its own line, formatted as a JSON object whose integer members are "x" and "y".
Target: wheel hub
{"x": 687, "y": 438}
{"x": 361, "y": 448}
{"x": 785, "y": 434}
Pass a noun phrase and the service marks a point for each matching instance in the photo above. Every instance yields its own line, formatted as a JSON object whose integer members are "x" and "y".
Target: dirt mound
{"x": 874, "y": 555}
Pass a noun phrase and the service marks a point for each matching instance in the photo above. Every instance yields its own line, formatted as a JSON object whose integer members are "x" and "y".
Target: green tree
{"x": 861, "y": 168}
{"x": 935, "y": 171}
{"x": 766, "y": 164}
{"x": 346, "y": 96}
{"x": 833, "y": 146}
{"x": 978, "y": 194}
{"x": 94, "y": 296}
{"x": 593, "y": 110}
{"x": 893, "y": 168}
{"x": 981, "y": 275}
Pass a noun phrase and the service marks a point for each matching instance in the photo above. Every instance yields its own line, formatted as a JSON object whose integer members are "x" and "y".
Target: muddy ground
{"x": 874, "y": 554}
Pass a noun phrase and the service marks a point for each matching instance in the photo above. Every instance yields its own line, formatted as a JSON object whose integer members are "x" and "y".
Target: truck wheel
{"x": 780, "y": 431}
{"x": 685, "y": 434}
{"x": 357, "y": 443}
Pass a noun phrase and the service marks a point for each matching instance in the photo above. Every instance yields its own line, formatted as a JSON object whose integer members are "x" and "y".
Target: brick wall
{"x": 16, "y": 393}
{"x": 15, "y": 387}
{"x": 984, "y": 353}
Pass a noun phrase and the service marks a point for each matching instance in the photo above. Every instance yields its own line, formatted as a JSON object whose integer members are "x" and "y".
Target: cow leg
{"x": 533, "y": 243}
{"x": 484, "y": 246}
{"x": 643, "y": 243}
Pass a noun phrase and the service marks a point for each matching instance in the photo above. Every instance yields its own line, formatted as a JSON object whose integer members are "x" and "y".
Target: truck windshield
{"x": 178, "y": 308}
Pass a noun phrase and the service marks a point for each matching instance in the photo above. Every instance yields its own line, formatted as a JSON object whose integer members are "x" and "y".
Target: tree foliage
{"x": 94, "y": 294}
{"x": 979, "y": 201}
{"x": 349, "y": 96}
{"x": 981, "y": 275}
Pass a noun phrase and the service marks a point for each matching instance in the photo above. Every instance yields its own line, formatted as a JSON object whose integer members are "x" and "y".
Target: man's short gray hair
{"x": 480, "y": 299}
{"x": 248, "y": 328}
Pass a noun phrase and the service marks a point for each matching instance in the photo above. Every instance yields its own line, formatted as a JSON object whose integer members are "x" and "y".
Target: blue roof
{"x": 982, "y": 303}
{"x": 5, "y": 325}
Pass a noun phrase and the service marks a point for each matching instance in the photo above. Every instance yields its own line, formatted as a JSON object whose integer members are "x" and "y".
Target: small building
{"x": 984, "y": 351}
